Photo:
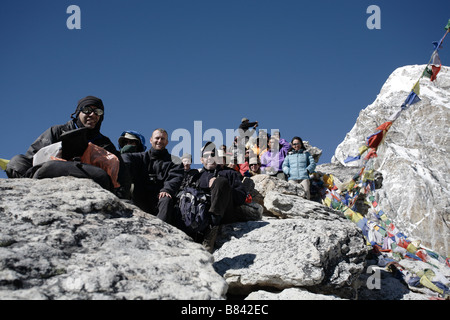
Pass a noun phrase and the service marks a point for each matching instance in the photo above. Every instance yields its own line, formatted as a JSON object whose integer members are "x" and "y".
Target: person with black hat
{"x": 84, "y": 127}
{"x": 226, "y": 189}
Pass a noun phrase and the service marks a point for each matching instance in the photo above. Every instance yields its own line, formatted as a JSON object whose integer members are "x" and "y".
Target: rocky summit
{"x": 413, "y": 159}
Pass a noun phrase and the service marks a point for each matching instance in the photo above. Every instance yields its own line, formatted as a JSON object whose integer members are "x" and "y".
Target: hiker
{"x": 131, "y": 141}
{"x": 261, "y": 143}
{"x": 255, "y": 166}
{"x": 299, "y": 164}
{"x": 272, "y": 160}
{"x": 244, "y": 168}
{"x": 186, "y": 160}
{"x": 74, "y": 137}
{"x": 245, "y": 127}
{"x": 225, "y": 189}
{"x": 156, "y": 178}
{"x": 245, "y": 133}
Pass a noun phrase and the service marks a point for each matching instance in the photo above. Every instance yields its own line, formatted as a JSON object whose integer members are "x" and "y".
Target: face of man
{"x": 159, "y": 140}
{"x": 89, "y": 117}
{"x": 186, "y": 164}
{"x": 209, "y": 160}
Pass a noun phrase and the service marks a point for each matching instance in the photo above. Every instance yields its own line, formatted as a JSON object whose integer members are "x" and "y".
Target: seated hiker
{"x": 244, "y": 168}
{"x": 74, "y": 136}
{"x": 224, "y": 189}
{"x": 255, "y": 166}
{"x": 299, "y": 164}
{"x": 272, "y": 160}
{"x": 186, "y": 160}
{"x": 131, "y": 141}
{"x": 156, "y": 178}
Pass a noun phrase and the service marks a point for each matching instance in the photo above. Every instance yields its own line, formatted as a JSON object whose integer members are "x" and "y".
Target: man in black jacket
{"x": 89, "y": 115}
{"x": 155, "y": 177}
{"x": 226, "y": 189}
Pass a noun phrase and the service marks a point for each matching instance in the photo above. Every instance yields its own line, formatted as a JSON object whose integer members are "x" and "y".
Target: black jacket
{"x": 234, "y": 179}
{"x": 153, "y": 171}
{"x": 53, "y": 134}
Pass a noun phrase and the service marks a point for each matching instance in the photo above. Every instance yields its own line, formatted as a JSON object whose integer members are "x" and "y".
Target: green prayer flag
{"x": 448, "y": 25}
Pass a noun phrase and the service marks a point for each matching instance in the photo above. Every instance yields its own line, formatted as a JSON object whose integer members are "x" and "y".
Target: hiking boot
{"x": 210, "y": 238}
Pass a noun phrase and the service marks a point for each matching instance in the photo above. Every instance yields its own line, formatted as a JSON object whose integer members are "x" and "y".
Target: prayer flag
{"x": 435, "y": 72}
{"x": 448, "y": 25}
{"x": 427, "y": 72}
{"x": 435, "y": 59}
{"x": 437, "y": 45}
{"x": 349, "y": 159}
{"x": 375, "y": 139}
{"x": 410, "y": 100}
{"x": 3, "y": 163}
{"x": 416, "y": 88}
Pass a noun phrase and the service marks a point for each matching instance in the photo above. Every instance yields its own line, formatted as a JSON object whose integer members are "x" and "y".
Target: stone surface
{"x": 67, "y": 238}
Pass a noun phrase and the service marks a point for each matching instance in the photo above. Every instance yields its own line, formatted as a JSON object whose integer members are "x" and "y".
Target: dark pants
{"x": 53, "y": 169}
{"x": 162, "y": 208}
{"x": 19, "y": 167}
{"x": 222, "y": 204}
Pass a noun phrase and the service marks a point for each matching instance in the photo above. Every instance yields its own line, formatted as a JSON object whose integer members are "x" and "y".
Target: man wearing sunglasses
{"x": 88, "y": 114}
{"x": 226, "y": 189}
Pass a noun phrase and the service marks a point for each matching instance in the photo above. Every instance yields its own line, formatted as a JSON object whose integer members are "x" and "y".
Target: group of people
{"x": 152, "y": 178}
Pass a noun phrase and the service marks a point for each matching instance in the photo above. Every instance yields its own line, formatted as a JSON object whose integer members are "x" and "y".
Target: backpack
{"x": 193, "y": 205}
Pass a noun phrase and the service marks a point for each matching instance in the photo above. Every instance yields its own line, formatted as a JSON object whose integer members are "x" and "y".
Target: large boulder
{"x": 67, "y": 238}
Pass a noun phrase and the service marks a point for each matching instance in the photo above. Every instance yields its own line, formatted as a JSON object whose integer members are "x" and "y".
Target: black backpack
{"x": 193, "y": 206}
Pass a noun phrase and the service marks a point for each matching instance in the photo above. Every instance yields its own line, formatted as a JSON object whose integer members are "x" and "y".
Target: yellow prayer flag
{"x": 416, "y": 88}
{"x": 3, "y": 163}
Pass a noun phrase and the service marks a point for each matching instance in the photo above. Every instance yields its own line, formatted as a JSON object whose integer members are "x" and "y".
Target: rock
{"x": 265, "y": 183}
{"x": 289, "y": 206}
{"x": 413, "y": 158}
{"x": 67, "y": 238}
{"x": 319, "y": 254}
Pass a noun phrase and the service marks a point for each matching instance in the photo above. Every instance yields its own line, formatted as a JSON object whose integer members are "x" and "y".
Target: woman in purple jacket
{"x": 272, "y": 160}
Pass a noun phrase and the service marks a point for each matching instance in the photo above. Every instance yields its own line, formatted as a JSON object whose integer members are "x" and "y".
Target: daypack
{"x": 194, "y": 204}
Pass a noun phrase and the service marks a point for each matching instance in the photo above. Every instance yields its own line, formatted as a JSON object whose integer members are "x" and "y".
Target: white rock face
{"x": 414, "y": 157}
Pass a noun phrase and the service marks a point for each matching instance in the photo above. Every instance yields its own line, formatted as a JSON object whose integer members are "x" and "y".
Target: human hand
{"x": 211, "y": 181}
{"x": 163, "y": 194}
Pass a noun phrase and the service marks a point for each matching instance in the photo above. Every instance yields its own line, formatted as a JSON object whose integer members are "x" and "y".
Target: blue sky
{"x": 306, "y": 68}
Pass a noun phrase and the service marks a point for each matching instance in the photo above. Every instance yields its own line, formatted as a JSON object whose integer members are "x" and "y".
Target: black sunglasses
{"x": 88, "y": 110}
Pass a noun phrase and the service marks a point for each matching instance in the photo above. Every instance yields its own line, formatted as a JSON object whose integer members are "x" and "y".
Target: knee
{"x": 18, "y": 166}
{"x": 220, "y": 183}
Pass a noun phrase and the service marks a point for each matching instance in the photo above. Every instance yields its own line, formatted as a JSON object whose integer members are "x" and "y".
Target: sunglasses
{"x": 209, "y": 154}
{"x": 296, "y": 144}
{"x": 89, "y": 110}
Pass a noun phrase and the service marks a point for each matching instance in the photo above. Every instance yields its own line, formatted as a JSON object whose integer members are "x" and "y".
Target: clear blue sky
{"x": 304, "y": 67}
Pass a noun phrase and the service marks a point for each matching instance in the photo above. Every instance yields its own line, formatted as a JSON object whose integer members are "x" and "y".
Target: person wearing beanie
{"x": 89, "y": 115}
{"x": 226, "y": 189}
